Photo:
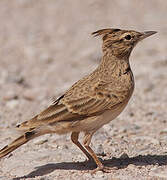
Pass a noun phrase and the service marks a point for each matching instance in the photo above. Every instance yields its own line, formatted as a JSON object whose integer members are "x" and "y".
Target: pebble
{"x": 124, "y": 156}
{"x": 99, "y": 175}
{"x": 100, "y": 150}
{"x": 30, "y": 95}
{"x": 40, "y": 140}
{"x": 131, "y": 114}
{"x": 131, "y": 166}
{"x": 87, "y": 176}
{"x": 10, "y": 97}
{"x": 12, "y": 104}
{"x": 164, "y": 131}
{"x": 159, "y": 172}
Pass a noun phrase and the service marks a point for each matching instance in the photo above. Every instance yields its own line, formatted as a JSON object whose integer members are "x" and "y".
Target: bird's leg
{"x": 74, "y": 139}
{"x": 100, "y": 166}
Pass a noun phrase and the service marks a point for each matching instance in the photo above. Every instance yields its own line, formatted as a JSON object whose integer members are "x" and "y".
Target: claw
{"x": 104, "y": 169}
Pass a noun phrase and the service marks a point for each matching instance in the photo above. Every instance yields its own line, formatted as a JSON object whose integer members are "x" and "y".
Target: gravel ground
{"x": 45, "y": 46}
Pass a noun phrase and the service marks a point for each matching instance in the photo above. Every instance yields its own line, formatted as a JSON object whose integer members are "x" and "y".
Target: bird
{"x": 91, "y": 102}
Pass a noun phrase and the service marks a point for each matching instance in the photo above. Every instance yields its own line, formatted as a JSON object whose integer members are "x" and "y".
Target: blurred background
{"x": 45, "y": 46}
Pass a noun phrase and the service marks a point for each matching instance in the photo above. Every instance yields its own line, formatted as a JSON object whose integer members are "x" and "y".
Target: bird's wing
{"x": 76, "y": 104}
{"x": 95, "y": 99}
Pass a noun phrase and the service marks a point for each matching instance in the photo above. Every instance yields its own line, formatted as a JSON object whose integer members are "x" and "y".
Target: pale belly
{"x": 90, "y": 124}
{"x": 94, "y": 123}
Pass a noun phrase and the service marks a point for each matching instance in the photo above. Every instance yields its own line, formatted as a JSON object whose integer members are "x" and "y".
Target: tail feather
{"x": 17, "y": 143}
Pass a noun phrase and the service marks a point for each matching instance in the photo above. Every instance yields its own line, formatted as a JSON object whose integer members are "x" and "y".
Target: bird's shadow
{"x": 88, "y": 165}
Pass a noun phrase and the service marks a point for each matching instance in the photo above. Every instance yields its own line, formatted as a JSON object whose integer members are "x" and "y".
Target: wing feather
{"x": 78, "y": 103}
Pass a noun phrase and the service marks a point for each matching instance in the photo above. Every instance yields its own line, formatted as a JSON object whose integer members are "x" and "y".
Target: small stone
{"x": 124, "y": 156}
{"x": 12, "y": 104}
{"x": 159, "y": 172}
{"x": 20, "y": 80}
{"x": 149, "y": 88}
{"x": 55, "y": 146}
{"x": 131, "y": 166}
{"x": 131, "y": 114}
{"x": 149, "y": 113}
{"x": 30, "y": 95}
{"x": 164, "y": 131}
{"x": 137, "y": 127}
{"x": 99, "y": 174}
{"x": 87, "y": 175}
{"x": 65, "y": 146}
{"x": 10, "y": 96}
{"x": 41, "y": 140}
{"x": 100, "y": 150}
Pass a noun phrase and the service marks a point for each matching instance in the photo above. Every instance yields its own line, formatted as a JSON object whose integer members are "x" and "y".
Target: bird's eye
{"x": 128, "y": 37}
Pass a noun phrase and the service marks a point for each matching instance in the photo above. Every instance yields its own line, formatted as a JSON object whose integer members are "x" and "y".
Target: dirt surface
{"x": 45, "y": 46}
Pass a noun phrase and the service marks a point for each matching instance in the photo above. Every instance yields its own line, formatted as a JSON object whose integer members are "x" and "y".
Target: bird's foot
{"x": 104, "y": 169}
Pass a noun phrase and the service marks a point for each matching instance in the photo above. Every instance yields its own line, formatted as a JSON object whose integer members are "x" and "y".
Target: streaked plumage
{"x": 92, "y": 101}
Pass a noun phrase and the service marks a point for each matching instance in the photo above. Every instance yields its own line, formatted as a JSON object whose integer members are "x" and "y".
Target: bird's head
{"x": 121, "y": 42}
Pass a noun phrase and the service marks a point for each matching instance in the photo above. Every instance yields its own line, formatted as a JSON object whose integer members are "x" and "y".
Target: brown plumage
{"x": 92, "y": 101}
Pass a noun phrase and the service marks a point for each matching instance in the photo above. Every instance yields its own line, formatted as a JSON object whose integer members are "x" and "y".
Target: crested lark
{"x": 91, "y": 102}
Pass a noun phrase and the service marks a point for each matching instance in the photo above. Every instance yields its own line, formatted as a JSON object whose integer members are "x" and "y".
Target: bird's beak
{"x": 146, "y": 34}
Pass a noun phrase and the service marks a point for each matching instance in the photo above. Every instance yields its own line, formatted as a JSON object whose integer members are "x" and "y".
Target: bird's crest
{"x": 104, "y": 32}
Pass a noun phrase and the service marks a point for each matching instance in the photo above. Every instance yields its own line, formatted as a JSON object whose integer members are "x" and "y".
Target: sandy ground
{"x": 45, "y": 46}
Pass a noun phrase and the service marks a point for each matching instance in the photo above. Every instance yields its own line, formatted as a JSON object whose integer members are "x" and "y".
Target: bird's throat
{"x": 114, "y": 65}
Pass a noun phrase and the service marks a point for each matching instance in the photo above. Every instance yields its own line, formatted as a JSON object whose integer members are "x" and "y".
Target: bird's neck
{"x": 114, "y": 65}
